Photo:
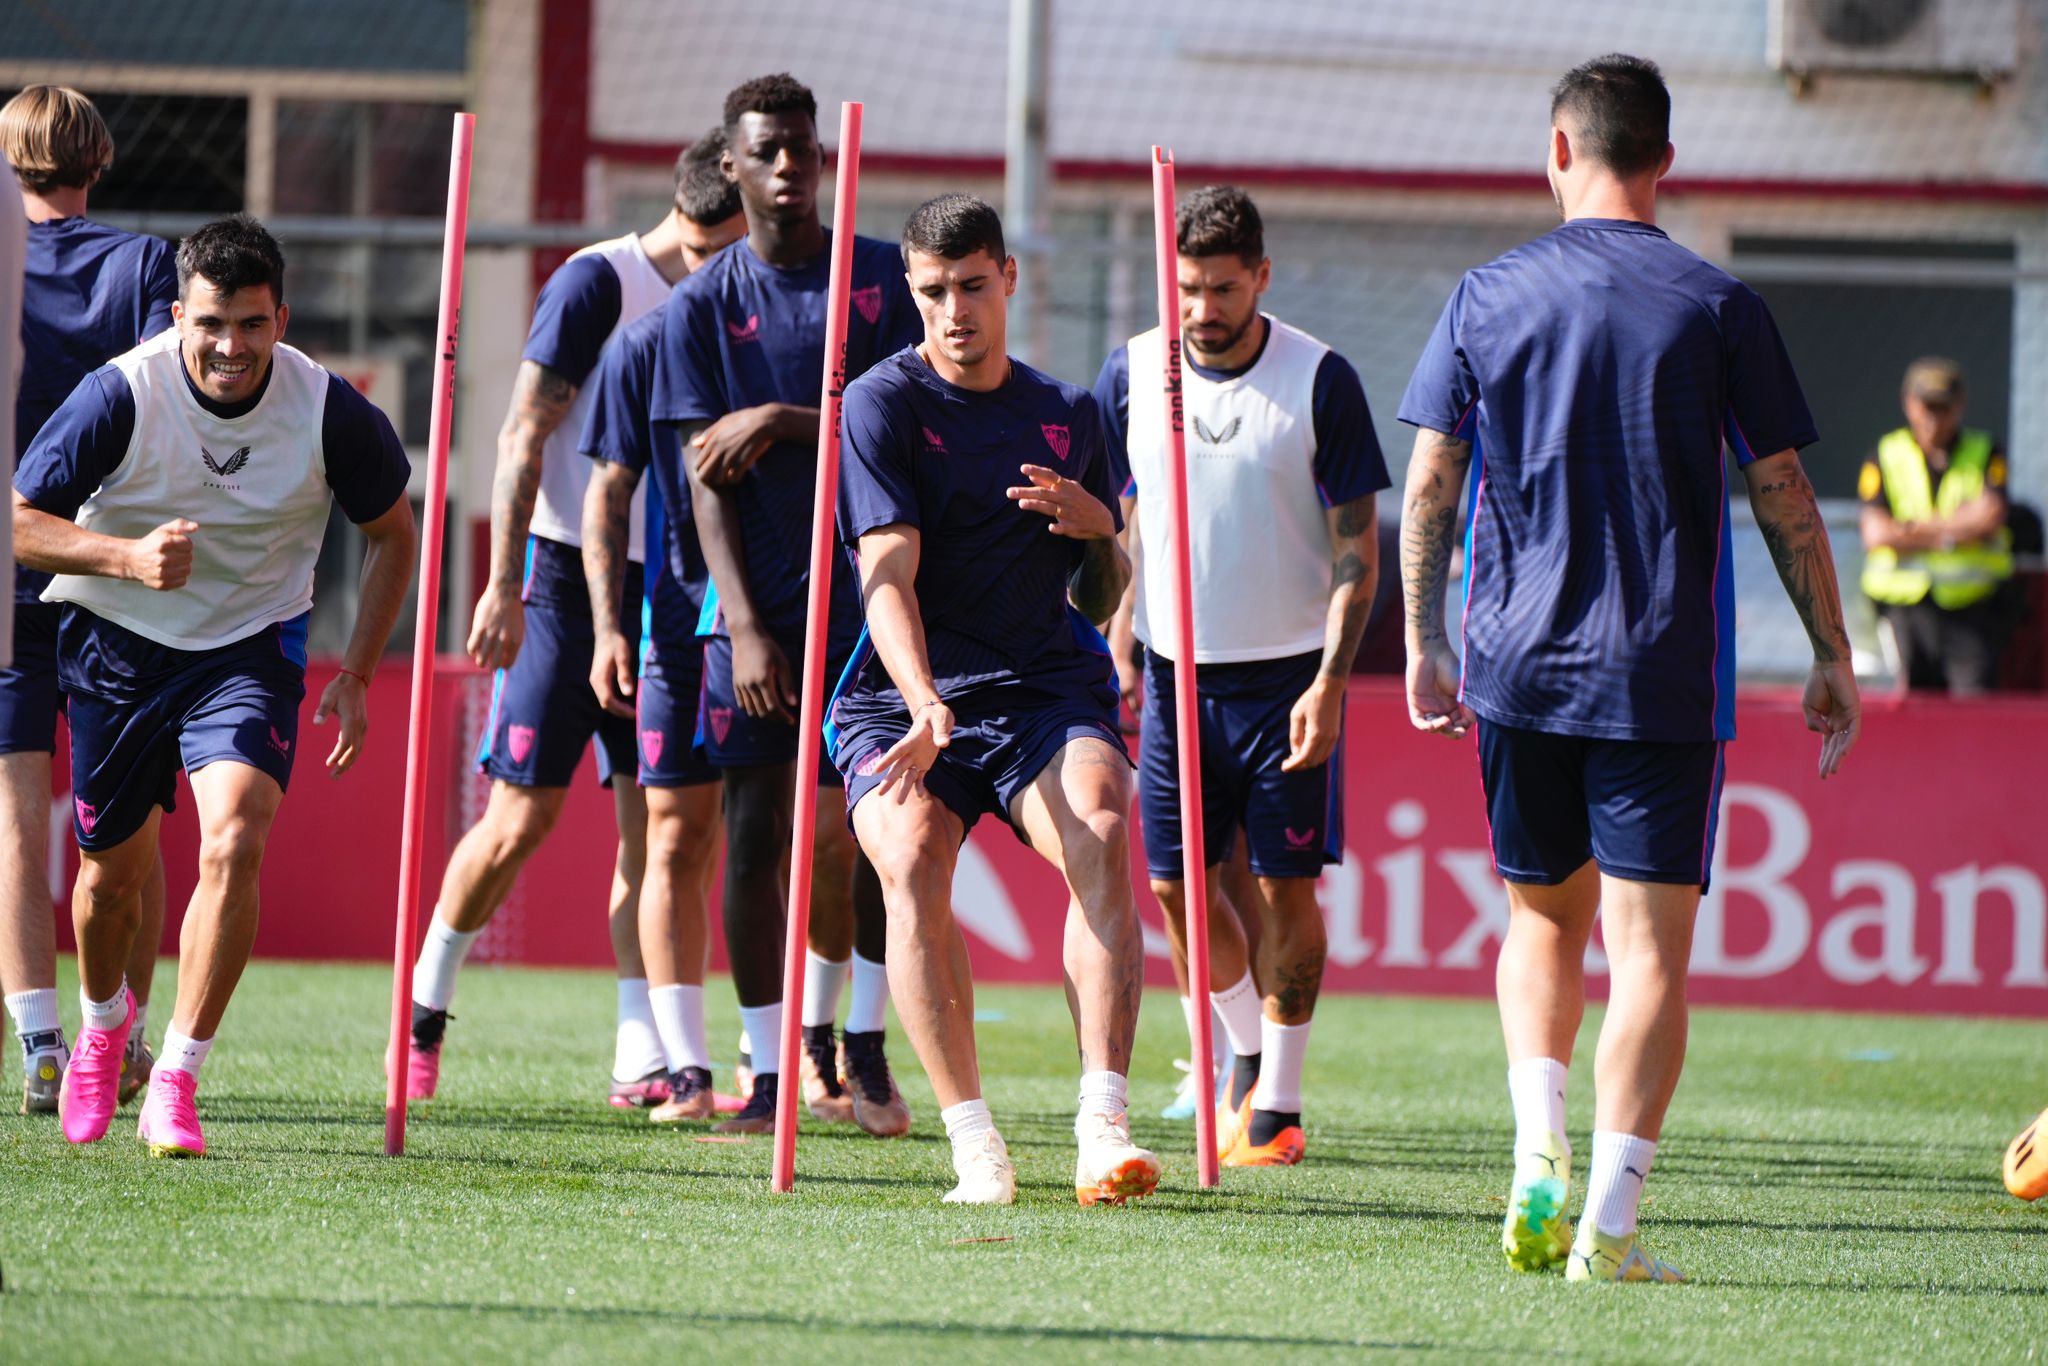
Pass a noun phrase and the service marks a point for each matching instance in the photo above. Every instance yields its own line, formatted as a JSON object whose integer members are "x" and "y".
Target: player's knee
{"x": 519, "y": 827}
{"x": 756, "y": 840}
{"x": 111, "y": 886}
{"x": 1101, "y": 847}
{"x": 232, "y": 850}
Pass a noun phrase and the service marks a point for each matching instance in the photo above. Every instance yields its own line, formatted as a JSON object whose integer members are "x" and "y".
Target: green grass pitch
{"x": 1831, "y": 1183}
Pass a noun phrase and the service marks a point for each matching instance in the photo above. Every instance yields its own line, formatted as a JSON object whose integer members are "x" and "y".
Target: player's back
{"x": 89, "y": 293}
{"x": 1603, "y": 365}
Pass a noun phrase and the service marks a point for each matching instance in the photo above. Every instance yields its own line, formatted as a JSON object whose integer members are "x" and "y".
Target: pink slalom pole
{"x": 1194, "y": 860}
{"x": 420, "y": 724}
{"x": 817, "y": 623}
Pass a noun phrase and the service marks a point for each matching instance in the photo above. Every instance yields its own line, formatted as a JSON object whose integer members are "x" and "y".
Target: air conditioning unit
{"x": 1977, "y": 38}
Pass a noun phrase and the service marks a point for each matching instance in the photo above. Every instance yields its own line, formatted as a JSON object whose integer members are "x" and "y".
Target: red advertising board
{"x": 1915, "y": 880}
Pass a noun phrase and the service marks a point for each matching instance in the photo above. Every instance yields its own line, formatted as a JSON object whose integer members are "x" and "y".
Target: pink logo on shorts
{"x": 650, "y": 746}
{"x": 87, "y": 817}
{"x": 869, "y": 762}
{"x": 869, "y": 302}
{"x": 279, "y": 743}
{"x": 721, "y": 723}
{"x": 519, "y": 739}
{"x": 1301, "y": 840}
{"x": 1056, "y": 437}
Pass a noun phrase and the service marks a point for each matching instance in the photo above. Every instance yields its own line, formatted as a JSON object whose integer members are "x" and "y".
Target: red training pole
{"x": 1194, "y": 860}
{"x": 817, "y": 623}
{"x": 420, "y": 723}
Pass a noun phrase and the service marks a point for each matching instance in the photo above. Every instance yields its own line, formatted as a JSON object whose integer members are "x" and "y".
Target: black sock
{"x": 818, "y": 1036}
{"x": 1243, "y": 1077}
{"x": 1267, "y": 1124}
{"x": 428, "y": 1025}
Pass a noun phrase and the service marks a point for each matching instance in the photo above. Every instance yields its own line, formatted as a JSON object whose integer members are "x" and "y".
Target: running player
{"x": 982, "y": 686}
{"x": 200, "y": 467}
{"x": 533, "y": 625}
{"x": 741, "y": 362}
{"x": 1598, "y": 370}
{"x": 89, "y": 293}
{"x": 1282, "y": 473}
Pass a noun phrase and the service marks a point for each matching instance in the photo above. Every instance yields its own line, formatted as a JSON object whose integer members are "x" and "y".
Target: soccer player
{"x": 978, "y": 497}
{"x": 533, "y": 624}
{"x": 89, "y": 293}
{"x": 200, "y": 467}
{"x": 1597, "y": 372}
{"x": 1282, "y": 471}
{"x": 740, "y": 367}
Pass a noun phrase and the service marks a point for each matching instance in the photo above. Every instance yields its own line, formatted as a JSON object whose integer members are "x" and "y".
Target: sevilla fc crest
{"x": 1056, "y": 437}
{"x": 721, "y": 723}
{"x": 650, "y": 746}
{"x": 519, "y": 739}
{"x": 869, "y": 302}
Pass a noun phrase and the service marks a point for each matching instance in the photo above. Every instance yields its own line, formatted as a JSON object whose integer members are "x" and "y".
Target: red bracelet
{"x": 356, "y": 676}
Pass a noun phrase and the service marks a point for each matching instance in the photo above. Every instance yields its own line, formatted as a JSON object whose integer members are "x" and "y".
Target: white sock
{"x": 1219, "y": 1037}
{"x": 823, "y": 981}
{"x": 1102, "y": 1093}
{"x": 636, "y": 1049}
{"x": 181, "y": 1052}
{"x": 967, "y": 1121}
{"x": 141, "y": 1018}
{"x": 679, "y": 1016}
{"x": 1242, "y": 1010}
{"x": 34, "y": 1012}
{"x": 433, "y": 976}
{"x": 1536, "y": 1090}
{"x": 1621, "y": 1162}
{"x": 867, "y": 1006}
{"x": 105, "y": 1014}
{"x": 763, "y": 1025}
{"x": 1285, "y": 1048}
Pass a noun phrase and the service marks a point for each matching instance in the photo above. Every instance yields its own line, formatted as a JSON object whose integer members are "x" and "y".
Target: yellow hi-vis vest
{"x": 1967, "y": 574}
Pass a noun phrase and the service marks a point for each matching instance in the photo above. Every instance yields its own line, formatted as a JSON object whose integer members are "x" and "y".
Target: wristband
{"x": 356, "y": 676}
{"x": 936, "y": 701}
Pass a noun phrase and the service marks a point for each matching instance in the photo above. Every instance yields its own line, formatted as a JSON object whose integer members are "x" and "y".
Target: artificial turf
{"x": 1831, "y": 1183}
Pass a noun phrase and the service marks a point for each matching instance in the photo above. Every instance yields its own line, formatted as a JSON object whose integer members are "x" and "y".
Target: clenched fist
{"x": 163, "y": 559}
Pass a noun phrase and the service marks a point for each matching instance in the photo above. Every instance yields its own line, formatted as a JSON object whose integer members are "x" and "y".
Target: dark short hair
{"x": 1619, "y": 109}
{"x": 1221, "y": 220}
{"x": 781, "y": 93}
{"x": 954, "y": 226}
{"x": 703, "y": 194}
{"x": 233, "y": 253}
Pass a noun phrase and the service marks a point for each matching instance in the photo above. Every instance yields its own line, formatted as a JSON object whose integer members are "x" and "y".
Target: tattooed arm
{"x": 1789, "y": 516}
{"x": 1429, "y": 523}
{"x": 607, "y": 528}
{"x": 540, "y": 400}
{"x": 1097, "y": 584}
{"x": 1314, "y": 724}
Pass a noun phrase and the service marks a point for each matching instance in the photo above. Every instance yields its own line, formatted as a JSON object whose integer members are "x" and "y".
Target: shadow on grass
{"x": 668, "y": 1318}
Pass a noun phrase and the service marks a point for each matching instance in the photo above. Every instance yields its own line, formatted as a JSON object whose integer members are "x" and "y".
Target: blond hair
{"x": 52, "y": 136}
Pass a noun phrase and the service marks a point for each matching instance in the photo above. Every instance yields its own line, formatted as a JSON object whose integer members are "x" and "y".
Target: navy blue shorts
{"x": 671, "y": 684}
{"x": 728, "y": 737}
{"x": 1645, "y": 810}
{"x": 1003, "y": 738}
{"x": 125, "y": 756}
{"x": 29, "y": 698}
{"x": 1293, "y": 823}
{"x": 543, "y": 712}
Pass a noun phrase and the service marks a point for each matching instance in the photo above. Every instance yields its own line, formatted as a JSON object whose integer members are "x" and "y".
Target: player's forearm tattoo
{"x": 540, "y": 400}
{"x": 607, "y": 518}
{"x": 1298, "y": 983}
{"x": 1354, "y": 578}
{"x": 1097, "y": 585}
{"x": 1429, "y": 521}
{"x": 1788, "y": 514}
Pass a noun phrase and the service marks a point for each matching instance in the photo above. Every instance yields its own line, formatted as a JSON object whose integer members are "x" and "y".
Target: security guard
{"x": 1934, "y": 529}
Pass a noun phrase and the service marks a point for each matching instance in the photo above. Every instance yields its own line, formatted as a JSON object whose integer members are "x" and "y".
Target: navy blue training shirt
{"x": 88, "y": 294}
{"x": 991, "y": 578}
{"x": 739, "y": 333}
{"x": 618, "y": 428}
{"x": 86, "y": 440}
{"x": 577, "y": 309}
{"x": 1597, "y": 372}
{"x": 1348, "y": 462}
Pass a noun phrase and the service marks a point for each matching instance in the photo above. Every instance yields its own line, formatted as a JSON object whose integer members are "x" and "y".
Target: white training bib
{"x": 1260, "y": 539}
{"x": 565, "y": 471}
{"x": 255, "y": 484}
